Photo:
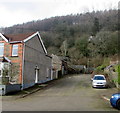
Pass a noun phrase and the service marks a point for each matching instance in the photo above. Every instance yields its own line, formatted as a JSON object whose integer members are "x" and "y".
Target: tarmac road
{"x": 71, "y": 93}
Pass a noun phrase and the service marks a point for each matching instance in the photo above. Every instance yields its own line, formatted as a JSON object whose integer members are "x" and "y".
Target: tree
{"x": 64, "y": 48}
{"x": 81, "y": 44}
{"x": 106, "y": 43}
{"x": 53, "y": 50}
{"x": 96, "y": 26}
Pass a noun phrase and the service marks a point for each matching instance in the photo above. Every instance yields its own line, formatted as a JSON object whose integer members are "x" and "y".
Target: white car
{"x": 99, "y": 81}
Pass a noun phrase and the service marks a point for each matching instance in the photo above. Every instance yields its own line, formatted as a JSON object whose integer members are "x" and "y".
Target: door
{"x": 1, "y": 68}
{"x": 36, "y": 75}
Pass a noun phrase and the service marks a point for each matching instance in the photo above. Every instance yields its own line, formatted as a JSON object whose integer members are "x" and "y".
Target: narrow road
{"x": 71, "y": 93}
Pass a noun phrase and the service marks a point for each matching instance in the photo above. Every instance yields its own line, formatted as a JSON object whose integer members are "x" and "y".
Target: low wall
{"x": 4, "y": 80}
{"x": 4, "y": 89}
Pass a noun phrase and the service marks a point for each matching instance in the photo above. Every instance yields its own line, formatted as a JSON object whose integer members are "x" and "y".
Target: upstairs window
{"x": 15, "y": 50}
{"x": 1, "y": 49}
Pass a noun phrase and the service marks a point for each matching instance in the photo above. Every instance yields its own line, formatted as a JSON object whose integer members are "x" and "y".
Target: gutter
{"x": 15, "y": 42}
{"x": 48, "y": 56}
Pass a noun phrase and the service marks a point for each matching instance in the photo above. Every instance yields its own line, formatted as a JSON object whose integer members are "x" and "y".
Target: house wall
{"x": 34, "y": 55}
{"x": 16, "y": 61}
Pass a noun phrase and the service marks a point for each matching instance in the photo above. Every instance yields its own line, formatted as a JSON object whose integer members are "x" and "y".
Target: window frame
{"x": 2, "y": 48}
{"x": 14, "y": 49}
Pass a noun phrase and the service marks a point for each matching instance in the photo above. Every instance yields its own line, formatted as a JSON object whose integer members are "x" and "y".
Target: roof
{"x": 108, "y": 67}
{"x": 78, "y": 66}
{"x": 17, "y": 37}
{"x": 4, "y": 59}
{"x": 13, "y": 38}
{"x": 98, "y": 75}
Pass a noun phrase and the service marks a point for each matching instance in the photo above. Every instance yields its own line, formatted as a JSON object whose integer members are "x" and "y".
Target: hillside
{"x": 89, "y": 37}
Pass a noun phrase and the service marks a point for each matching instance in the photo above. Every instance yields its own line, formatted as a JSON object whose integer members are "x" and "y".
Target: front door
{"x": 36, "y": 75}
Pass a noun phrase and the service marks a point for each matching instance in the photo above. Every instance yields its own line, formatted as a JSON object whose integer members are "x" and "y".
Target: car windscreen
{"x": 98, "y": 78}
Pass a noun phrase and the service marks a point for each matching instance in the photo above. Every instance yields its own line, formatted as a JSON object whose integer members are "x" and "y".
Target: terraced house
{"x": 23, "y": 61}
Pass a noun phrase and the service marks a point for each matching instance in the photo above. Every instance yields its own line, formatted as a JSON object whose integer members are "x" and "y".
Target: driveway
{"x": 71, "y": 93}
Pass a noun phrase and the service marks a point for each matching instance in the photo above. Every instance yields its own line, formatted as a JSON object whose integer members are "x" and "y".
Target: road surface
{"x": 71, "y": 93}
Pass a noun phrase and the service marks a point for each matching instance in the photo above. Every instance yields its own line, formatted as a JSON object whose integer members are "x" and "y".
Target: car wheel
{"x": 113, "y": 105}
{"x": 118, "y": 104}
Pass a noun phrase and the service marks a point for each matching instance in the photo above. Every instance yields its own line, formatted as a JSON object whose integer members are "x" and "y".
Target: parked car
{"x": 115, "y": 100}
{"x": 99, "y": 81}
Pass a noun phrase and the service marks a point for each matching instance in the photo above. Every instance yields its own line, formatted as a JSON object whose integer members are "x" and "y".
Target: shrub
{"x": 117, "y": 69}
{"x": 100, "y": 68}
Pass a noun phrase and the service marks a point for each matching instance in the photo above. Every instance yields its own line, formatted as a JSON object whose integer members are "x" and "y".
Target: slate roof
{"x": 17, "y": 37}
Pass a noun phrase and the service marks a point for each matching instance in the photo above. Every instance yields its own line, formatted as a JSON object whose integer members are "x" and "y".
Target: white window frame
{"x": 15, "y": 48}
{"x": 2, "y": 48}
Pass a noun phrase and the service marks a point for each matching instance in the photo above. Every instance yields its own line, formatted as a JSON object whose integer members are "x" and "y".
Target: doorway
{"x": 36, "y": 74}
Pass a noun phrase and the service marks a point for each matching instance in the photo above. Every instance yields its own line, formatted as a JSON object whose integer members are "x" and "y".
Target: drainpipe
{"x": 23, "y": 66}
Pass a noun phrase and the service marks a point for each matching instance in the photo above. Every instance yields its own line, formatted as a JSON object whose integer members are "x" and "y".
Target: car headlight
{"x": 112, "y": 97}
{"x": 94, "y": 82}
{"x": 104, "y": 83}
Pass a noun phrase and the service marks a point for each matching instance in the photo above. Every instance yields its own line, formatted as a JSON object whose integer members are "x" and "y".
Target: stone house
{"x": 59, "y": 66}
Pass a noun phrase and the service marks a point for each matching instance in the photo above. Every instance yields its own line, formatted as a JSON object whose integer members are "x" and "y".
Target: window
{"x": 1, "y": 49}
{"x": 0, "y": 69}
{"x": 15, "y": 50}
{"x": 99, "y": 78}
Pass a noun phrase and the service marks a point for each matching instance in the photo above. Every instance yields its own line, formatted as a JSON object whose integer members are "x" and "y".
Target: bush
{"x": 117, "y": 69}
{"x": 100, "y": 68}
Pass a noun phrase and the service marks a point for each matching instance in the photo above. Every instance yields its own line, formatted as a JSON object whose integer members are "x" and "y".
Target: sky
{"x": 21, "y": 11}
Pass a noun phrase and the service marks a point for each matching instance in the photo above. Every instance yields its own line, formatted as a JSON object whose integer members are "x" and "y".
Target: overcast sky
{"x": 19, "y": 11}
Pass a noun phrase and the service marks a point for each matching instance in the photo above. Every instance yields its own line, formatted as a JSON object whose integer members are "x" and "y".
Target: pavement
{"x": 71, "y": 93}
{"x": 26, "y": 92}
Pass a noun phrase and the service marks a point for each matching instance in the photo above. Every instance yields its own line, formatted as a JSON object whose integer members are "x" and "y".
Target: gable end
{"x": 36, "y": 34}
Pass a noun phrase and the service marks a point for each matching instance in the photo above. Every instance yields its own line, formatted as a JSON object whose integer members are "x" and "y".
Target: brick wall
{"x": 17, "y": 60}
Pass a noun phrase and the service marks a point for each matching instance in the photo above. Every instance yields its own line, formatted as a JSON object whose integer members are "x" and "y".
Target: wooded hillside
{"x": 85, "y": 37}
